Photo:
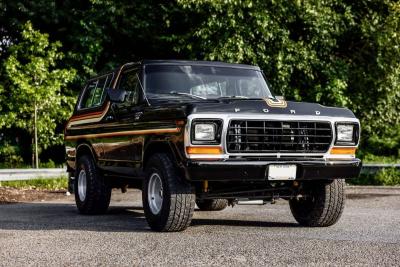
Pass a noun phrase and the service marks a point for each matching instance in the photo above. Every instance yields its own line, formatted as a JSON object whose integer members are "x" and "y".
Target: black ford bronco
{"x": 206, "y": 133}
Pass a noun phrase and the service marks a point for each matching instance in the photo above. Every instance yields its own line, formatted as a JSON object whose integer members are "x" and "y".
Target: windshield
{"x": 204, "y": 82}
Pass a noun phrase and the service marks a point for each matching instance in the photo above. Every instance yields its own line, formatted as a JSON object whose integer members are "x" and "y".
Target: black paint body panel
{"x": 124, "y": 156}
{"x": 258, "y": 171}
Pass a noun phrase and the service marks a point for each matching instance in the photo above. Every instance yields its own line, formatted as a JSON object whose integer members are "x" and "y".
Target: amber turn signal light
{"x": 204, "y": 150}
{"x": 343, "y": 150}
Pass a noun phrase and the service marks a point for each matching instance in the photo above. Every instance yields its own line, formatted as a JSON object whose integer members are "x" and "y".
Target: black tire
{"x": 177, "y": 202}
{"x": 98, "y": 193}
{"x": 212, "y": 204}
{"x": 70, "y": 182}
{"x": 324, "y": 206}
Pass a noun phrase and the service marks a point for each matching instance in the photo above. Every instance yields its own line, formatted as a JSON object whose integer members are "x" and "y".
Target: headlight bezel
{"x": 355, "y": 136}
{"x": 217, "y": 124}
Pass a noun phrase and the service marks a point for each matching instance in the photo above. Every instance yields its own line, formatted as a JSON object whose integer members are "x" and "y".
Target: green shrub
{"x": 40, "y": 183}
{"x": 363, "y": 179}
{"x": 49, "y": 164}
{"x": 371, "y": 158}
{"x": 385, "y": 176}
{"x": 388, "y": 176}
{"x": 10, "y": 156}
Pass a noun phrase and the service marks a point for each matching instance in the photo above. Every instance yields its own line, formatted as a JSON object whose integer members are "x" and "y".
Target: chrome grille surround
{"x": 226, "y": 118}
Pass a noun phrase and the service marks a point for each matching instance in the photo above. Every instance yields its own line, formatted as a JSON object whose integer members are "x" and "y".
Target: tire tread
{"x": 99, "y": 193}
{"x": 181, "y": 201}
{"x": 328, "y": 206}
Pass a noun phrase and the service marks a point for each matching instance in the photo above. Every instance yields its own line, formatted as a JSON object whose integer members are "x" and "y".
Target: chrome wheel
{"x": 155, "y": 193}
{"x": 82, "y": 185}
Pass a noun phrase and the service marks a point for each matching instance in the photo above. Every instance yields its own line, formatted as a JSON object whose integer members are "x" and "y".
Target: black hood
{"x": 260, "y": 106}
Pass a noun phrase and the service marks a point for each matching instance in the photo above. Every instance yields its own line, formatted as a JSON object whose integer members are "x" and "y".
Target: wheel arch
{"x": 84, "y": 148}
{"x": 157, "y": 147}
{"x": 169, "y": 148}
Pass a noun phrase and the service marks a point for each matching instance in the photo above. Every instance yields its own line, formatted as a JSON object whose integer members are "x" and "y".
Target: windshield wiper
{"x": 234, "y": 96}
{"x": 244, "y": 97}
{"x": 187, "y": 94}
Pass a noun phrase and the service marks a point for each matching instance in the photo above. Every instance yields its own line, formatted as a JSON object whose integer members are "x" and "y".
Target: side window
{"x": 94, "y": 94}
{"x": 129, "y": 82}
{"x": 88, "y": 94}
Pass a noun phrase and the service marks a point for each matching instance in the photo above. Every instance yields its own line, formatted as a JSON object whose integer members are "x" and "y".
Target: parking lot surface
{"x": 53, "y": 233}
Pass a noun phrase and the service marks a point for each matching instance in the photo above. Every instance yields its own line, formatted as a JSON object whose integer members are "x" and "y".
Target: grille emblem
{"x": 276, "y": 103}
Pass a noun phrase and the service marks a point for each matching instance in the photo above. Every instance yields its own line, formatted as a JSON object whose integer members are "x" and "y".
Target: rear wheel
{"x": 92, "y": 194}
{"x": 212, "y": 204}
{"x": 323, "y": 205}
{"x": 168, "y": 200}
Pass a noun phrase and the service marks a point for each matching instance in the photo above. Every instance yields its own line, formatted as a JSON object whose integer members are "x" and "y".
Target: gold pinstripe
{"x": 124, "y": 133}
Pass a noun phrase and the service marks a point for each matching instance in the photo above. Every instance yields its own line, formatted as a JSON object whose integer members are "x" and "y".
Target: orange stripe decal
{"x": 90, "y": 115}
{"x": 124, "y": 133}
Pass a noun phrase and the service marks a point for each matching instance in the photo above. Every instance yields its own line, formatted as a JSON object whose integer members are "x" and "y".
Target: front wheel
{"x": 168, "y": 200}
{"x": 92, "y": 194}
{"x": 322, "y": 206}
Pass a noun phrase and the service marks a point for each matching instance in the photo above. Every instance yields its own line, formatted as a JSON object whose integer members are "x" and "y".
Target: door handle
{"x": 138, "y": 115}
{"x": 110, "y": 118}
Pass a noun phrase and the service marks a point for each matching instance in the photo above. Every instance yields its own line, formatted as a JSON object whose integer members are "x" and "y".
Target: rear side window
{"x": 94, "y": 94}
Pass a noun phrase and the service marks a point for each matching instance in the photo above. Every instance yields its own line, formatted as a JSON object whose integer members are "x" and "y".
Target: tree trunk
{"x": 33, "y": 150}
{"x": 36, "y": 140}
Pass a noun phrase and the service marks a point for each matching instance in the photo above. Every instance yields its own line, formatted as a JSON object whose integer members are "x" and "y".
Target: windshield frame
{"x": 174, "y": 95}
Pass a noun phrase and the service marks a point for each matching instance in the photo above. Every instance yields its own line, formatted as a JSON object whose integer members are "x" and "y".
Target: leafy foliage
{"x": 33, "y": 79}
{"x": 333, "y": 52}
{"x": 337, "y": 52}
{"x": 60, "y": 183}
{"x": 385, "y": 176}
{"x": 9, "y": 155}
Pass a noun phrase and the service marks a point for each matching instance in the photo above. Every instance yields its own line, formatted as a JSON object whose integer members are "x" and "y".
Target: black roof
{"x": 180, "y": 62}
{"x": 199, "y": 63}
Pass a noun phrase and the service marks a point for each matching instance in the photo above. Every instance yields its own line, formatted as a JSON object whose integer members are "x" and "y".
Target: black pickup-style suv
{"x": 209, "y": 133}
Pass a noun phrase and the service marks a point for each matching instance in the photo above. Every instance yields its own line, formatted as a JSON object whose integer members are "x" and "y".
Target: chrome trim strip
{"x": 263, "y": 162}
{"x": 226, "y": 118}
{"x": 124, "y": 133}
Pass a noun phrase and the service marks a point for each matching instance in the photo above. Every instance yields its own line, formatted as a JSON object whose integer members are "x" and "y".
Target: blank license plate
{"x": 282, "y": 172}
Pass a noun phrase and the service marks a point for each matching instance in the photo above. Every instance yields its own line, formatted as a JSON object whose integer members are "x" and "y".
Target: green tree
{"x": 336, "y": 52}
{"x": 31, "y": 98}
{"x": 374, "y": 74}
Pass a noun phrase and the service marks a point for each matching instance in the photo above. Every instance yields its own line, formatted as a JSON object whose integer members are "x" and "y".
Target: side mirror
{"x": 280, "y": 97}
{"x": 116, "y": 95}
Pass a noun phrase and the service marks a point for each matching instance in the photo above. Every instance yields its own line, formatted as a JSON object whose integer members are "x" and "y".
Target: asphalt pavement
{"x": 53, "y": 233}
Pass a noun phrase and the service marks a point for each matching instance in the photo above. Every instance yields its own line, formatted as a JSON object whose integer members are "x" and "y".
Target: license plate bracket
{"x": 282, "y": 172}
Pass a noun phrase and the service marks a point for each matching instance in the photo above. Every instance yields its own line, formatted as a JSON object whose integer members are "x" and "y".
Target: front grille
{"x": 262, "y": 136}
